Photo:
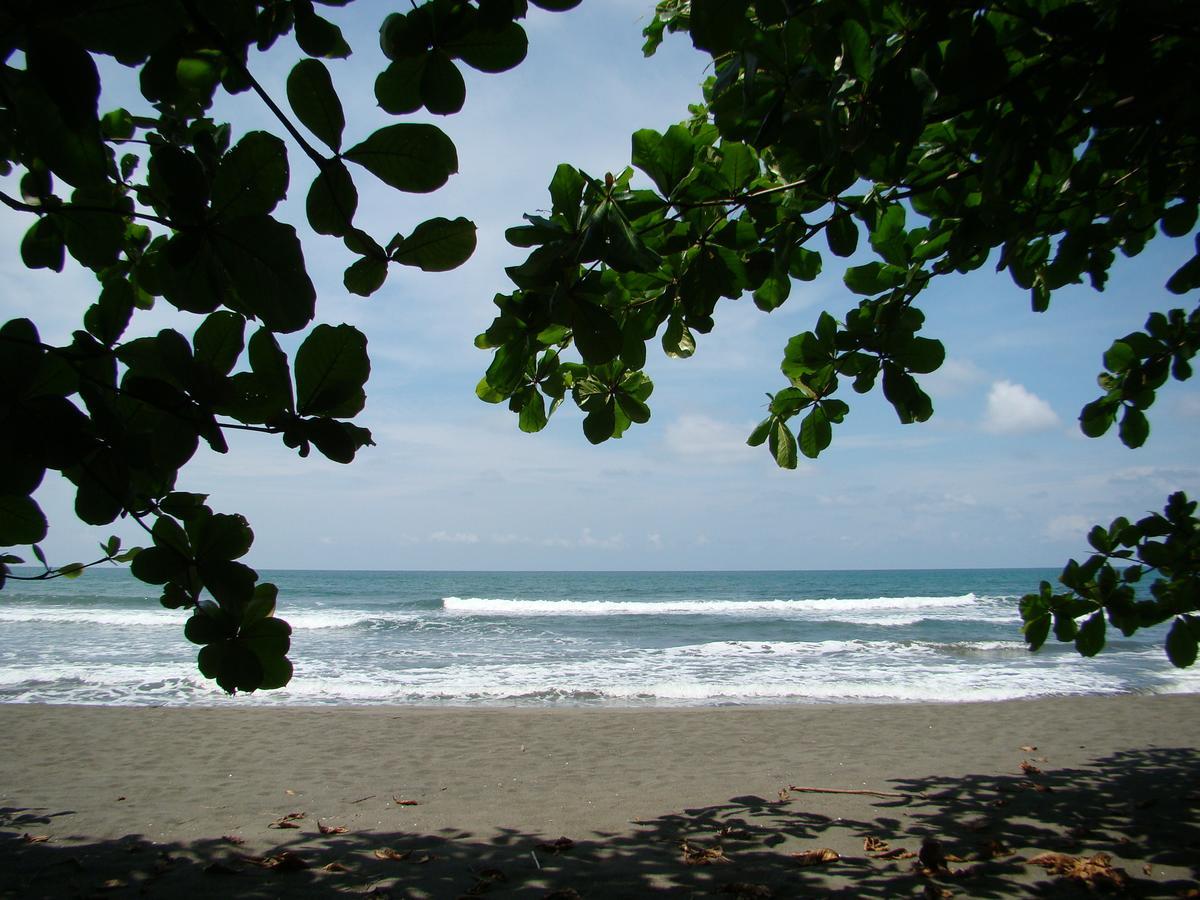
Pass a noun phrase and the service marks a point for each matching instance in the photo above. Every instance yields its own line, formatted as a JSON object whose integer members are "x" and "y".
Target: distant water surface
{"x": 579, "y": 638}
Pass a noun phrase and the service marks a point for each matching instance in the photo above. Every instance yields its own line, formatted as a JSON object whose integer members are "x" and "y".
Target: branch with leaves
{"x": 163, "y": 204}
{"x": 1050, "y": 136}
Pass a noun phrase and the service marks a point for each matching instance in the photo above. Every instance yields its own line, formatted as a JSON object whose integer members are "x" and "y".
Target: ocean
{"x": 578, "y": 639}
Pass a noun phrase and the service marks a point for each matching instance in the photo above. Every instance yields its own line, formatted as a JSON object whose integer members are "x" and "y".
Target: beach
{"x": 601, "y": 802}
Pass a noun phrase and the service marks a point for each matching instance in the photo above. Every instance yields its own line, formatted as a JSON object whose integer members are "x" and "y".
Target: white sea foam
{"x": 504, "y": 607}
{"x": 117, "y": 618}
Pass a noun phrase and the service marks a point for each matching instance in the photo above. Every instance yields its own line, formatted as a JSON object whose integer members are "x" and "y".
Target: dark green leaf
{"x": 252, "y": 177}
{"x": 1090, "y": 639}
{"x": 437, "y": 245}
{"x": 365, "y": 276}
{"x": 21, "y": 521}
{"x": 443, "y": 90}
{"x": 1181, "y": 644}
{"x": 1135, "y": 428}
{"x": 491, "y": 49}
{"x": 842, "y": 234}
{"x": 315, "y": 102}
{"x": 331, "y": 368}
{"x": 332, "y": 200}
{"x": 410, "y": 157}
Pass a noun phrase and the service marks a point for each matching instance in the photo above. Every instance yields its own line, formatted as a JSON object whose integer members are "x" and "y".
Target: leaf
{"x": 842, "y": 234}
{"x": 21, "y": 521}
{"x": 252, "y": 177}
{"x": 365, "y": 276}
{"x": 1135, "y": 428}
{"x": 415, "y": 158}
{"x": 782, "y": 445}
{"x": 437, "y": 245}
{"x": 331, "y": 829}
{"x": 332, "y": 200}
{"x": 1090, "y": 639}
{"x": 557, "y": 846}
{"x": 815, "y": 434}
{"x": 815, "y": 857}
{"x": 398, "y": 87}
{"x": 331, "y": 368}
{"x": 1181, "y": 644}
{"x": 443, "y": 90}
{"x": 491, "y": 49}
{"x": 313, "y": 99}
{"x": 597, "y": 334}
{"x": 694, "y": 855}
{"x": 288, "y": 820}
{"x": 393, "y": 855}
{"x": 1095, "y": 872}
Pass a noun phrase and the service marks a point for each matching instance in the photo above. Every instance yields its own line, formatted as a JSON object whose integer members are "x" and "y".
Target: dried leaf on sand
{"x": 1029, "y": 768}
{"x": 35, "y": 838}
{"x": 287, "y": 821}
{"x": 389, "y": 853}
{"x": 559, "y": 845}
{"x": 233, "y": 839}
{"x": 816, "y": 857}
{"x": 400, "y": 801}
{"x": 331, "y": 829}
{"x": 702, "y": 856}
{"x": 334, "y": 867}
{"x": 1096, "y": 871}
{"x": 1028, "y": 748}
{"x": 872, "y": 844}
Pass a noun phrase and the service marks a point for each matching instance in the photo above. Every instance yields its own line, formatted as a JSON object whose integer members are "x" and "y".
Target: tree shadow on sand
{"x": 980, "y": 833}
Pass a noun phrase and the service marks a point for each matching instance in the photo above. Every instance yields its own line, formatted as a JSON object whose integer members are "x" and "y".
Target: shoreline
{"x": 144, "y": 798}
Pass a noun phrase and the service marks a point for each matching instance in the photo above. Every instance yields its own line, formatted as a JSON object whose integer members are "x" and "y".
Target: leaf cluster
{"x": 166, "y": 205}
{"x": 1048, "y": 136}
{"x": 1108, "y": 588}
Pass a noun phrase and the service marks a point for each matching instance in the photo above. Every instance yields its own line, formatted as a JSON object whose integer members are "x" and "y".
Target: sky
{"x": 1001, "y": 476}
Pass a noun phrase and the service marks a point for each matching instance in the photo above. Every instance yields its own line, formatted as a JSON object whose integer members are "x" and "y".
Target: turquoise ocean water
{"x": 578, "y": 638}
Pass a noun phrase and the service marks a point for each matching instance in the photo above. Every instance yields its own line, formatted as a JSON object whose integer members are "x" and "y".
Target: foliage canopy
{"x": 1048, "y": 136}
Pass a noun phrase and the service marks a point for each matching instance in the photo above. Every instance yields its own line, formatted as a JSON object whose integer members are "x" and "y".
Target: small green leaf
{"x": 782, "y": 445}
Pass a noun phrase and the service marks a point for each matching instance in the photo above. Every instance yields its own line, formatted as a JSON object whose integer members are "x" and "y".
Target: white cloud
{"x": 703, "y": 438}
{"x": 1067, "y": 528}
{"x": 1012, "y": 409}
{"x": 455, "y": 537}
{"x": 955, "y": 377}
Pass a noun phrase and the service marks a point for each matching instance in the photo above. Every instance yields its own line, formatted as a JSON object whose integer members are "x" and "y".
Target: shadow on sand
{"x": 1138, "y": 806}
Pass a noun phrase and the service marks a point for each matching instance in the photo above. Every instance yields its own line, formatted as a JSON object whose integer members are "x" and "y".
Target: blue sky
{"x": 1000, "y": 476}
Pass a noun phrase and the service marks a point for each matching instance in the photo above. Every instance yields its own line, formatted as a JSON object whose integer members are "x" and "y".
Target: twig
{"x": 817, "y": 790}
